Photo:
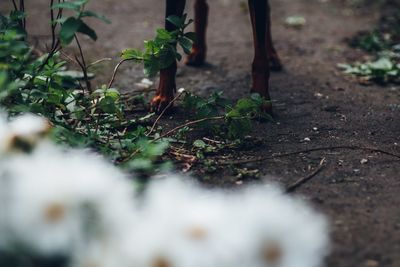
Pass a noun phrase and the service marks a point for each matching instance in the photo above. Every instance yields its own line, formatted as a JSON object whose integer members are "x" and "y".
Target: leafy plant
{"x": 161, "y": 52}
{"x": 236, "y": 117}
{"x": 383, "y": 45}
{"x": 97, "y": 118}
{"x": 75, "y": 24}
{"x": 81, "y": 117}
{"x": 382, "y": 70}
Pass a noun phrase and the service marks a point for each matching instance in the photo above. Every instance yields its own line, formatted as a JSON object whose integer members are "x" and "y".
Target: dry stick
{"x": 188, "y": 124}
{"x": 163, "y": 112}
{"x": 115, "y": 73}
{"x": 291, "y": 188}
{"x": 99, "y": 61}
{"x": 308, "y": 151}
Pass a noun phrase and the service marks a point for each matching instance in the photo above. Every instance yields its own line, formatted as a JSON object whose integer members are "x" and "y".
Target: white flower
{"x": 22, "y": 132}
{"x": 60, "y": 200}
{"x": 181, "y": 224}
{"x": 285, "y": 231}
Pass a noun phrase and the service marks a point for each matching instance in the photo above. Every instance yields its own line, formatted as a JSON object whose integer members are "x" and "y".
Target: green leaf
{"x": 151, "y": 67}
{"x": 199, "y": 144}
{"x": 163, "y": 34}
{"x": 85, "y": 29}
{"x": 129, "y": 54}
{"x": 186, "y": 44}
{"x": 176, "y": 21}
{"x": 107, "y": 104}
{"x": 95, "y": 15}
{"x": 191, "y": 35}
{"x": 67, "y": 5}
{"x": 68, "y": 29}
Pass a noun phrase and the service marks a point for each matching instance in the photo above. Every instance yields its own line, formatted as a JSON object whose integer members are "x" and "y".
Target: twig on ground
{"x": 163, "y": 112}
{"x": 281, "y": 155}
{"x": 291, "y": 188}
{"x": 188, "y": 124}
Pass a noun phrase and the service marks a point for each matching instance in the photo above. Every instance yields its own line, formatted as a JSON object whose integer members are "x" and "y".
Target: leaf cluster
{"x": 383, "y": 70}
{"x": 43, "y": 85}
{"x": 75, "y": 24}
{"x": 161, "y": 52}
{"x": 237, "y": 116}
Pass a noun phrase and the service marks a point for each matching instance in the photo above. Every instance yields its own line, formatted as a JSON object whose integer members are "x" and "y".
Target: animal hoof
{"x": 159, "y": 103}
{"x": 196, "y": 59}
{"x": 267, "y": 108}
{"x": 275, "y": 64}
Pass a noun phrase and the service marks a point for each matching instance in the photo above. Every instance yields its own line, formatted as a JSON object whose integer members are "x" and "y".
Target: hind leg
{"x": 274, "y": 61}
{"x": 198, "y": 55}
{"x": 167, "y": 86}
{"x": 259, "y": 10}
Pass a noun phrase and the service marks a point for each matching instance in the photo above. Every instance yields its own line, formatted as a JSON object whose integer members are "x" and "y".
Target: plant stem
{"x": 82, "y": 64}
{"x": 115, "y": 73}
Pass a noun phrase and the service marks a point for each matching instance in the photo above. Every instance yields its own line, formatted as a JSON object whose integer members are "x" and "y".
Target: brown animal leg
{"x": 274, "y": 61}
{"x": 167, "y": 87}
{"x": 198, "y": 55}
{"x": 260, "y": 68}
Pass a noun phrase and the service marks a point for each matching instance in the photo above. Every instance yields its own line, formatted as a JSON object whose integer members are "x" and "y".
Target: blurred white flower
{"x": 59, "y": 200}
{"x": 182, "y": 225}
{"x": 22, "y": 132}
{"x": 71, "y": 202}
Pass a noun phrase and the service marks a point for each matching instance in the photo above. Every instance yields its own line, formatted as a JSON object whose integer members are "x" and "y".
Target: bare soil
{"x": 359, "y": 190}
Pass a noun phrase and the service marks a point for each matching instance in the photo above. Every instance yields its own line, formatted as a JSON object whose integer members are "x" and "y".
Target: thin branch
{"x": 83, "y": 64}
{"x": 22, "y": 9}
{"x": 281, "y": 155}
{"x": 99, "y": 61}
{"x": 15, "y": 5}
{"x": 163, "y": 112}
{"x": 188, "y": 124}
{"x": 115, "y": 73}
{"x": 291, "y": 188}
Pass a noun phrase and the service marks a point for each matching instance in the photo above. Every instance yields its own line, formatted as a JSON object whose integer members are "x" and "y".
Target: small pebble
{"x": 364, "y": 161}
{"x": 307, "y": 139}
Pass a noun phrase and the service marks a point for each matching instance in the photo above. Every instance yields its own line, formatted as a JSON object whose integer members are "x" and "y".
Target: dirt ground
{"x": 312, "y": 99}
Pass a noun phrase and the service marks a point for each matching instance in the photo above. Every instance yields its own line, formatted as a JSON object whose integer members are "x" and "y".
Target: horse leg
{"x": 274, "y": 61}
{"x": 198, "y": 54}
{"x": 167, "y": 86}
{"x": 260, "y": 67}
